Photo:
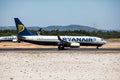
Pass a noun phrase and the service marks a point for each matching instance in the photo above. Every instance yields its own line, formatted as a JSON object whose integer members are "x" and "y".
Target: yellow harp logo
{"x": 20, "y": 28}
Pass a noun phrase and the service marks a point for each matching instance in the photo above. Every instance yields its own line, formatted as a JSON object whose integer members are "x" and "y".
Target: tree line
{"x": 106, "y": 34}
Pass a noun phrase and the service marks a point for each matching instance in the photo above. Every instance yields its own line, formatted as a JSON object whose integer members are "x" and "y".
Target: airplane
{"x": 60, "y": 41}
{"x": 8, "y": 38}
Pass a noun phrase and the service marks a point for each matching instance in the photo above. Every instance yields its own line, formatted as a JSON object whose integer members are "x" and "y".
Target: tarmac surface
{"x": 48, "y": 63}
{"x": 66, "y": 50}
{"x": 53, "y": 64}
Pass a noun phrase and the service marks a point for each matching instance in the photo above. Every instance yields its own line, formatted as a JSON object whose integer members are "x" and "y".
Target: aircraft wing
{"x": 68, "y": 44}
{"x": 65, "y": 43}
{"x": 21, "y": 38}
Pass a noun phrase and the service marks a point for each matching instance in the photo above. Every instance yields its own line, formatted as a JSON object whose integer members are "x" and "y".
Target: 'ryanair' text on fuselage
{"x": 79, "y": 39}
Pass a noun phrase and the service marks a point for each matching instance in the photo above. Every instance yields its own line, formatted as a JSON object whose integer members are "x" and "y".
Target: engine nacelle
{"x": 75, "y": 45}
{"x": 15, "y": 40}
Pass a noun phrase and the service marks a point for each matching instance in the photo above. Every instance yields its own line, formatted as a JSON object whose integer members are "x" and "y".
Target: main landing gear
{"x": 61, "y": 47}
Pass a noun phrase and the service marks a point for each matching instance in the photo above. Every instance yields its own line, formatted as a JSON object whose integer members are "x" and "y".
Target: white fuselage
{"x": 70, "y": 39}
{"x": 8, "y": 38}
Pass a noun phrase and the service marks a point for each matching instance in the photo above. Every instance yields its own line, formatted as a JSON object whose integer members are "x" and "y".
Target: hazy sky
{"x": 101, "y": 14}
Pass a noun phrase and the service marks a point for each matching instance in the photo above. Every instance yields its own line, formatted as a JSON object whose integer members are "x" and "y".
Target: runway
{"x": 66, "y": 50}
{"x": 54, "y": 64}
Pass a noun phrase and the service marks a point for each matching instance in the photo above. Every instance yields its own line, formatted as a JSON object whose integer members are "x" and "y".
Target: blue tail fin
{"x": 21, "y": 29}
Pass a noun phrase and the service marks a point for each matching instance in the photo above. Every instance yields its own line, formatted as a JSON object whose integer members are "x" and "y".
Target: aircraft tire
{"x": 61, "y": 47}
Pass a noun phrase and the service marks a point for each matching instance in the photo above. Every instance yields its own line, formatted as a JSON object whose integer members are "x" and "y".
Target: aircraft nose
{"x": 104, "y": 42}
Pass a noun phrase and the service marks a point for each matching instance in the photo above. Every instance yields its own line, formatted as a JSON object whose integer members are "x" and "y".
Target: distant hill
{"x": 7, "y": 27}
{"x": 70, "y": 27}
{"x": 49, "y": 28}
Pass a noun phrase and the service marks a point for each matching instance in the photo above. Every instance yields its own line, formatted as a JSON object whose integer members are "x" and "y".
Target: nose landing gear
{"x": 97, "y": 47}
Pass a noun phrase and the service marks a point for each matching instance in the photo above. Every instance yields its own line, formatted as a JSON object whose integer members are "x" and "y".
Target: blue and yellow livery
{"x": 21, "y": 29}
